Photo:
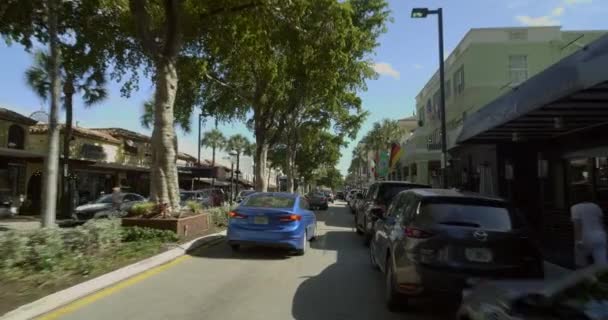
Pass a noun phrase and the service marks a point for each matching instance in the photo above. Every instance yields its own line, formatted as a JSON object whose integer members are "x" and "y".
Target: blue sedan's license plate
{"x": 260, "y": 220}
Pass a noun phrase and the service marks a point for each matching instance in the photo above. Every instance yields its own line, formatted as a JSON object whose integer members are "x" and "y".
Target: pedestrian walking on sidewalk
{"x": 589, "y": 234}
{"x": 116, "y": 198}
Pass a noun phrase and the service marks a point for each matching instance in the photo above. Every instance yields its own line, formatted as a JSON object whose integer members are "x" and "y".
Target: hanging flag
{"x": 395, "y": 155}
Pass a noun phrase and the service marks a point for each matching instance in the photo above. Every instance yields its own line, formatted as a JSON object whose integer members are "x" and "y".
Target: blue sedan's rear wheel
{"x": 235, "y": 247}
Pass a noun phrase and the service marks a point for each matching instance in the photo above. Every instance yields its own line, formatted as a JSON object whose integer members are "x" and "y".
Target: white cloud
{"x": 417, "y": 66}
{"x": 386, "y": 69}
{"x": 558, "y": 11}
{"x": 537, "y": 21}
{"x": 574, "y": 2}
{"x": 547, "y": 20}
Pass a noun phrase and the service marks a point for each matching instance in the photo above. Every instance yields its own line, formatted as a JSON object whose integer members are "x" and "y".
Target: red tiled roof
{"x": 79, "y": 131}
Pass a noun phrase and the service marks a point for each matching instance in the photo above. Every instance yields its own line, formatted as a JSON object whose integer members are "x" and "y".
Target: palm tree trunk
{"x": 238, "y": 166}
{"x": 68, "y": 96}
{"x": 213, "y": 171}
{"x": 164, "y": 188}
{"x": 49, "y": 186}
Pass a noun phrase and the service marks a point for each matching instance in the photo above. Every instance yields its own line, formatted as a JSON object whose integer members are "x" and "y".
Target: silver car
{"x": 433, "y": 242}
{"x": 102, "y": 207}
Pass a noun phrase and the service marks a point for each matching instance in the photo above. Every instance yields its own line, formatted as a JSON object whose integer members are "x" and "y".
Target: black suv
{"x": 378, "y": 197}
{"x": 439, "y": 241}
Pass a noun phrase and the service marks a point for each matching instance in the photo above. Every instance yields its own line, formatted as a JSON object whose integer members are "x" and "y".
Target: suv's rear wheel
{"x": 395, "y": 301}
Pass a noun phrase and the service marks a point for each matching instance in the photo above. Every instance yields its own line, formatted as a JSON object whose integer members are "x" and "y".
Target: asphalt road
{"x": 333, "y": 281}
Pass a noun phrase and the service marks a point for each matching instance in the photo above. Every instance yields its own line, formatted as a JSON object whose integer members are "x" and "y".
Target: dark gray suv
{"x": 437, "y": 241}
{"x": 377, "y": 198}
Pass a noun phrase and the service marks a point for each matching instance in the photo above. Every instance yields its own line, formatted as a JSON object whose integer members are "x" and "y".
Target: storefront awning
{"x": 119, "y": 167}
{"x": 570, "y": 95}
{"x": 17, "y": 153}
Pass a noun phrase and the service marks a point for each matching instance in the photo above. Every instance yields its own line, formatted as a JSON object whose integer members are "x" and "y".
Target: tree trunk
{"x": 164, "y": 186}
{"x": 51, "y": 164}
{"x": 268, "y": 182}
{"x": 68, "y": 96}
{"x": 290, "y": 169}
{"x": 261, "y": 152}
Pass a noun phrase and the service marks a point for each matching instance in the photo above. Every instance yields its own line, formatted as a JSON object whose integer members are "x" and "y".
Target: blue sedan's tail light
{"x": 290, "y": 218}
{"x": 235, "y": 215}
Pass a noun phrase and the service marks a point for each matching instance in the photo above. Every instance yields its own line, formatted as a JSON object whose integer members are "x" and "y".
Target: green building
{"x": 486, "y": 64}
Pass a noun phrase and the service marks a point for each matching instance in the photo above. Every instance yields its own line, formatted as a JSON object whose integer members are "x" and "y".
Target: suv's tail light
{"x": 235, "y": 215}
{"x": 290, "y": 218}
{"x": 417, "y": 233}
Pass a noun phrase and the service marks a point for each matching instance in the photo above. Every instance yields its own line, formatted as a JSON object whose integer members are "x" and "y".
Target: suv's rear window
{"x": 388, "y": 191}
{"x": 268, "y": 202}
{"x": 471, "y": 215}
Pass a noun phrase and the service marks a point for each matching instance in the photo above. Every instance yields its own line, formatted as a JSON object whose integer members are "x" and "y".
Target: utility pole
{"x": 423, "y": 13}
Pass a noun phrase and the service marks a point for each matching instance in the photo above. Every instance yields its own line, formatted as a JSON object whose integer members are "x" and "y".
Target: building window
{"x": 518, "y": 68}
{"x": 130, "y": 147}
{"x": 421, "y": 117}
{"x": 436, "y": 104}
{"x": 459, "y": 81}
{"x": 518, "y": 35}
{"x": 429, "y": 108}
{"x": 91, "y": 151}
{"x": 448, "y": 89}
{"x": 16, "y": 137}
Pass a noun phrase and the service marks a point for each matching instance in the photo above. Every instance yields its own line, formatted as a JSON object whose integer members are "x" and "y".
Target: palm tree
{"x": 90, "y": 83}
{"x": 213, "y": 139}
{"x": 382, "y": 135}
{"x": 238, "y": 144}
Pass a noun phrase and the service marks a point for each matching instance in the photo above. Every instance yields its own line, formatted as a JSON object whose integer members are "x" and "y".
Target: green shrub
{"x": 194, "y": 206}
{"x": 13, "y": 249}
{"x": 148, "y": 234}
{"x": 142, "y": 209}
{"x": 46, "y": 249}
{"x": 103, "y": 233}
{"x": 220, "y": 215}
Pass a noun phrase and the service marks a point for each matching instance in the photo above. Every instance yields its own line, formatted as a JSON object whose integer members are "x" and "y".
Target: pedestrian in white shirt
{"x": 589, "y": 234}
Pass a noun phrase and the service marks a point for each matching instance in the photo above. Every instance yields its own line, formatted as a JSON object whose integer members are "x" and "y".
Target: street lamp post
{"x": 423, "y": 13}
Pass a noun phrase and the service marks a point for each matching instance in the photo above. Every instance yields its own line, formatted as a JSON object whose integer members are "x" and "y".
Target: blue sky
{"x": 406, "y": 58}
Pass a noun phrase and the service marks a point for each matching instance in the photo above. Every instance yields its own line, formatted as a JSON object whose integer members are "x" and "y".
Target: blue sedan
{"x": 281, "y": 220}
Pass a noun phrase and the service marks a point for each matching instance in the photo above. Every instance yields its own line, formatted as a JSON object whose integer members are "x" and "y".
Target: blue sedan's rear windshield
{"x": 269, "y": 202}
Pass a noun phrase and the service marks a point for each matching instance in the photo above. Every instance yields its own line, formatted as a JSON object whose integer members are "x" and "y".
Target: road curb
{"x": 63, "y": 297}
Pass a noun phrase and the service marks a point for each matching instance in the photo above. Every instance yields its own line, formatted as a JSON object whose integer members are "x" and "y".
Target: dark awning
{"x": 197, "y": 172}
{"x": 570, "y": 95}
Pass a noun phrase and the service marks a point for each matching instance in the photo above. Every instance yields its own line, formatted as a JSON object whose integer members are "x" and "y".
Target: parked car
{"x": 357, "y": 201}
{"x": 350, "y": 194}
{"x": 437, "y": 241}
{"x": 317, "y": 200}
{"x": 243, "y": 194}
{"x": 582, "y": 295}
{"x": 329, "y": 195}
{"x": 272, "y": 219}
{"x": 378, "y": 197}
{"x": 201, "y": 196}
{"x": 102, "y": 207}
{"x": 340, "y": 195}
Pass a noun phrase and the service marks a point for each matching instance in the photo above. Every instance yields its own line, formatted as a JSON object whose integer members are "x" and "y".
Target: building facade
{"x": 486, "y": 64}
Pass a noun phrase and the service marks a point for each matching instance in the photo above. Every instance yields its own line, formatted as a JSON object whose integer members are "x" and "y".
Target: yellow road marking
{"x": 75, "y": 305}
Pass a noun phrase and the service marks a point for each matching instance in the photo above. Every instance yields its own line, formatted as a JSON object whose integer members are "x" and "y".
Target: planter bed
{"x": 186, "y": 227}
